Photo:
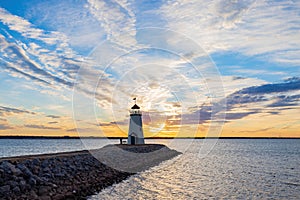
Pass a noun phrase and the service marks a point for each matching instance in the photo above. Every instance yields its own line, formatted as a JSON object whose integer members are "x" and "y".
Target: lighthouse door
{"x": 132, "y": 139}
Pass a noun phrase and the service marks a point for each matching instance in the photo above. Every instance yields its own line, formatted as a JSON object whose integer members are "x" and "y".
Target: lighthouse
{"x": 135, "y": 132}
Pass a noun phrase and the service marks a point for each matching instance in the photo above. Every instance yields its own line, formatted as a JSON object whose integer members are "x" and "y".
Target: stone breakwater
{"x": 76, "y": 175}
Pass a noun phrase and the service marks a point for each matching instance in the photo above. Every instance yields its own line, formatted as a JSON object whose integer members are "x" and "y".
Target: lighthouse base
{"x": 132, "y": 139}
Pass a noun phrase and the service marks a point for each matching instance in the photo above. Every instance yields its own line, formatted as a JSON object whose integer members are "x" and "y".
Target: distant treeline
{"x": 71, "y": 137}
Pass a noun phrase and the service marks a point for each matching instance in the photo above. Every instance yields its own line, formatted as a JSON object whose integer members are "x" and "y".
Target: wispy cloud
{"x": 25, "y": 28}
{"x": 53, "y": 122}
{"x": 265, "y": 28}
{"x": 41, "y": 127}
{"x": 288, "y": 85}
{"x": 28, "y": 67}
{"x": 117, "y": 19}
{"x": 53, "y": 116}
{"x": 47, "y": 59}
{"x": 5, "y": 127}
{"x": 264, "y": 99}
{"x": 253, "y": 100}
{"x": 286, "y": 101}
{"x": 43, "y": 64}
{"x": 257, "y": 72}
{"x": 6, "y": 111}
{"x": 258, "y": 130}
{"x": 239, "y": 115}
{"x": 74, "y": 19}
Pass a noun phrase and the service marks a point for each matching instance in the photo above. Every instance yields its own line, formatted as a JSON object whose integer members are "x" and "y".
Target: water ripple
{"x": 235, "y": 169}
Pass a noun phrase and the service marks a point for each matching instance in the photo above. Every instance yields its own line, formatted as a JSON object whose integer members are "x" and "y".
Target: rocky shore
{"x": 76, "y": 175}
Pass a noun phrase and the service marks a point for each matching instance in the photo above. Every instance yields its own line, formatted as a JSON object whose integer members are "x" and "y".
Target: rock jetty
{"x": 76, "y": 175}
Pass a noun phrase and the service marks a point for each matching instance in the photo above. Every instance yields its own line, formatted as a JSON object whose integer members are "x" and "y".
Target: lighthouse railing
{"x": 133, "y": 111}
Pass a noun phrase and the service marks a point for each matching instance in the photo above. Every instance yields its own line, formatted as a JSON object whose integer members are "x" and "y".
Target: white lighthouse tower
{"x": 135, "y": 132}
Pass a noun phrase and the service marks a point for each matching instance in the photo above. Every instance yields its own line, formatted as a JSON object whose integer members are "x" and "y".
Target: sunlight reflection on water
{"x": 235, "y": 169}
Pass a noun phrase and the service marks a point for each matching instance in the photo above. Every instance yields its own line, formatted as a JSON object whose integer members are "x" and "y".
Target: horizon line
{"x": 99, "y": 137}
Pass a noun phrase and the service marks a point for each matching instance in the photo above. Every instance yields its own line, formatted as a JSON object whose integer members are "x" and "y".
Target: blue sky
{"x": 83, "y": 61}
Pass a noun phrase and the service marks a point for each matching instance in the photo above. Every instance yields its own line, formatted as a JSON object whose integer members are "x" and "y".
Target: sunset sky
{"x": 196, "y": 67}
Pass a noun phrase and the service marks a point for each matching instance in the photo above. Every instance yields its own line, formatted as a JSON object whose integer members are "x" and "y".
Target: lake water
{"x": 17, "y": 147}
{"x": 234, "y": 169}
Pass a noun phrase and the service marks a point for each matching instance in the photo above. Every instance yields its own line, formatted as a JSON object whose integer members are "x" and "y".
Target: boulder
{"x": 10, "y": 168}
{"x": 27, "y": 173}
{"x": 44, "y": 190}
{"x": 32, "y": 181}
{"x": 16, "y": 190}
{"x": 73, "y": 175}
{"x": 4, "y": 190}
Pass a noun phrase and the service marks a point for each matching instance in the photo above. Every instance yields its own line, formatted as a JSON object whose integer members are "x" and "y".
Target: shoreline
{"x": 77, "y": 174}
